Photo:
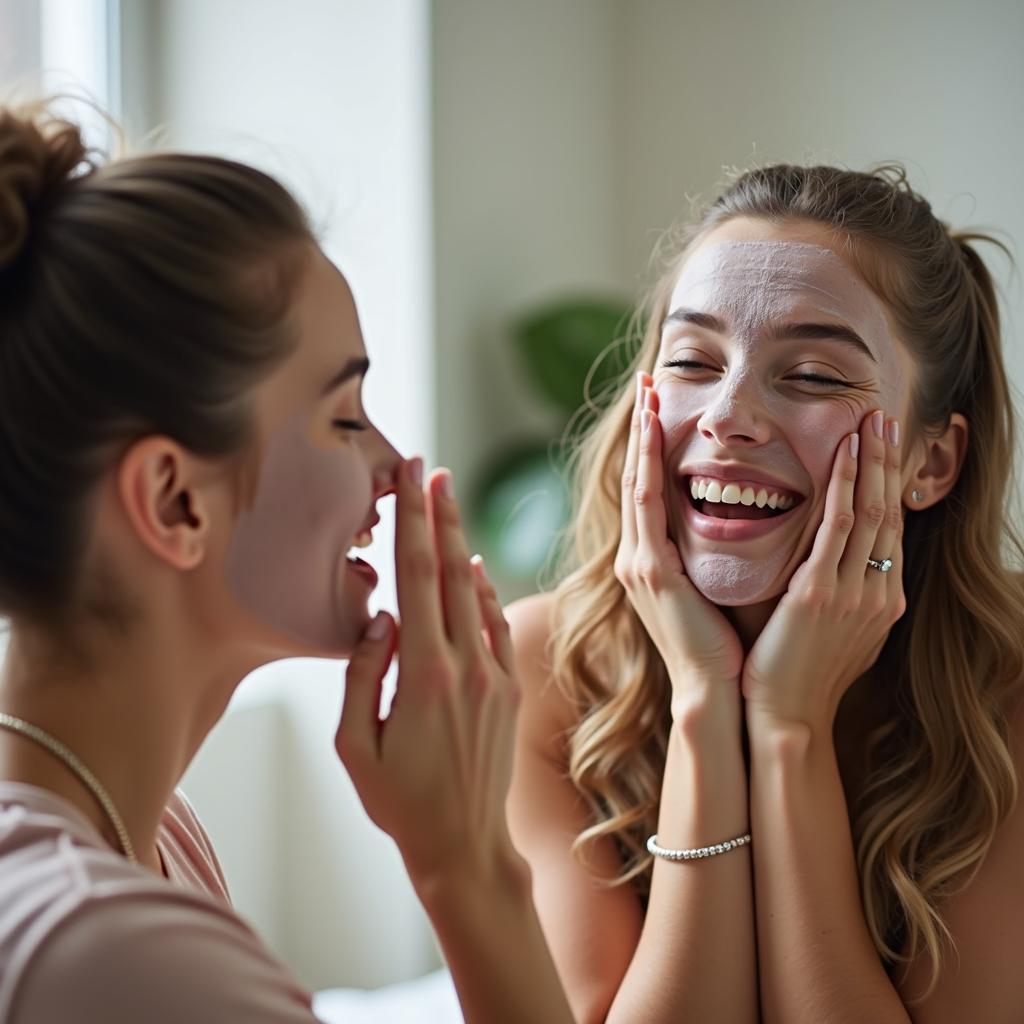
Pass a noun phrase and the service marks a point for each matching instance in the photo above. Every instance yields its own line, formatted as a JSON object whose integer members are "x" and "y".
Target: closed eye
{"x": 686, "y": 364}
{"x": 348, "y": 424}
{"x": 818, "y": 378}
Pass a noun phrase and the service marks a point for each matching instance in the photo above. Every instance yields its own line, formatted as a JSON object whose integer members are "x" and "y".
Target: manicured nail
{"x": 378, "y": 627}
{"x": 645, "y": 420}
{"x": 894, "y": 433}
{"x": 447, "y": 485}
{"x": 854, "y": 444}
{"x": 416, "y": 471}
{"x": 477, "y": 561}
{"x": 878, "y": 423}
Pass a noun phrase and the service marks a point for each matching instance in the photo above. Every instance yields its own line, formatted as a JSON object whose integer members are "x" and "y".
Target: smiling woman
{"x": 788, "y": 620}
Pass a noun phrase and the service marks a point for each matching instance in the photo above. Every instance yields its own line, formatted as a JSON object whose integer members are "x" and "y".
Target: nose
{"x": 736, "y": 415}
{"x": 385, "y": 461}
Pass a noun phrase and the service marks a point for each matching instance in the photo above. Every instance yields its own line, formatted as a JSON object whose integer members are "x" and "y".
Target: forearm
{"x": 493, "y": 945}
{"x": 816, "y": 957}
{"x": 696, "y": 959}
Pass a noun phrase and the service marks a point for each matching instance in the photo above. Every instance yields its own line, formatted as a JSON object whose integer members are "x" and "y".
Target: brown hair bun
{"x": 37, "y": 157}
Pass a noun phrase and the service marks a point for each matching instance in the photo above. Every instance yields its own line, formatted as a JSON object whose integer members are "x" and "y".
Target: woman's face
{"x": 322, "y": 467}
{"x": 772, "y": 351}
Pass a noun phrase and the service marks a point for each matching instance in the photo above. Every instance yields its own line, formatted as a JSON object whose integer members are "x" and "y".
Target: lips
{"x": 733, "y": 503}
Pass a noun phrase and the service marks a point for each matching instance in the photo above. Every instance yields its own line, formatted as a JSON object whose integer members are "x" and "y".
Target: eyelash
{"x": 811, "y": 378}
{"x": 348, "y": 425}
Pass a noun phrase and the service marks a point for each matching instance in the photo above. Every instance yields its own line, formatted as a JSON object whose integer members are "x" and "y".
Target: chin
{"x": 733, "y": 581}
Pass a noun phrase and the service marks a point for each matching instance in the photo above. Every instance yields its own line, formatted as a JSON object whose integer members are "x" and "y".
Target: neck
{"x": 133, "y": 711}
{"x": 749, "y": 620}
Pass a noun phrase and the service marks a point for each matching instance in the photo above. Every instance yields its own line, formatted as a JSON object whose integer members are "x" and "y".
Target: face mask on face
{"x": 286, "y": 562}
{"x": 753, "y": 289}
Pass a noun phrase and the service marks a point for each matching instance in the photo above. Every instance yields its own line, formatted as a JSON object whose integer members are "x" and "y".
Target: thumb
{"x": 359, "y": 727}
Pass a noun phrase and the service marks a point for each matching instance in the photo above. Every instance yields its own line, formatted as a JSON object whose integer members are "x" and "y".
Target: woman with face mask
{"x": 185, "y": 463}
{"x": 768, "y": 749}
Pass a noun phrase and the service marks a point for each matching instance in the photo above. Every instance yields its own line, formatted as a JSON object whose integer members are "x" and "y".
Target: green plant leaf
{"x": 560, "y": 344}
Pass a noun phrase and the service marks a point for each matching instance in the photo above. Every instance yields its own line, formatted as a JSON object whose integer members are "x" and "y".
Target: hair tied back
{"x": 38, "y": 156}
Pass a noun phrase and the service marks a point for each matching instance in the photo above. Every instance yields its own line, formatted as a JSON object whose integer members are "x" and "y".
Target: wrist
{"x": 463, "y": 882}
{"x": 701, "y": 706}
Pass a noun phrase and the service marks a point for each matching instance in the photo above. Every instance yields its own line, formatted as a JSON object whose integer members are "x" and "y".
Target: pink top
{"x": 87, "y": 937}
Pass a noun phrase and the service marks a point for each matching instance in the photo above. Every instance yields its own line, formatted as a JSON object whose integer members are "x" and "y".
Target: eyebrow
{"x": 357, "y": 367}
{"x": 788, "y": 332}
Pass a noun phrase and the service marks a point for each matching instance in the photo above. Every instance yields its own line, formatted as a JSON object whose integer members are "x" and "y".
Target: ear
{"x": 938, "y": 464}
{"x": 158, "y": 482}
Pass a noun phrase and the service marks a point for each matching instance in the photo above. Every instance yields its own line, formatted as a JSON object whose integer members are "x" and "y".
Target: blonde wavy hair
{"x": 941, "y": 775}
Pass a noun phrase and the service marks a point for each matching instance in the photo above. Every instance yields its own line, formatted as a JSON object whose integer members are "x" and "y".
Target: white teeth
{"x": 733, "y": 494}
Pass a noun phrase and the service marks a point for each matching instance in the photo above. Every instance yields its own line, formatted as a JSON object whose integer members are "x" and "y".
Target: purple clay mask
{"x": 286, "y": 562}
{"x": 754, "y": 289}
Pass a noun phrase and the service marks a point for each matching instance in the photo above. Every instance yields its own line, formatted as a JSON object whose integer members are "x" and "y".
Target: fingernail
{"x": 447, "y": 485}
{"x": 416, "y": 471}
{"x": 378, "y": 627}
{"x": 894, "y": 433}
{"x": 645, "y": 420}
{"x": 877, "y": 423}
{"x": 854, "y": 444}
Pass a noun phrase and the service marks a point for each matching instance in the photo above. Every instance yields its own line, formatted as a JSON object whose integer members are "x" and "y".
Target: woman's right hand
{"x": 698, "y": 645}
{"x": 435, "y": 773}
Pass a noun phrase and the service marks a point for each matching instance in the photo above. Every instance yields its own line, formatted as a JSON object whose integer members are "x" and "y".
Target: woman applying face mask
{"x": 185, "y": 464}
{"x": 768, "y": 744}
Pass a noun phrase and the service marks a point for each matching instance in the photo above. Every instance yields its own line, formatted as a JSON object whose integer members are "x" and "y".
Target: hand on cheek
{"x": 838, "y": 609}
{"x": 701, "y": 651}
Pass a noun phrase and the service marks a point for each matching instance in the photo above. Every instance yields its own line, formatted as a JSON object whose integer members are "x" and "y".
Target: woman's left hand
{"x": 837, "y": 612}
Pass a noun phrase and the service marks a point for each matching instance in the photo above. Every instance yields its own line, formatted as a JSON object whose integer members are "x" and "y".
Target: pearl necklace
{"x": 55, "y": 747}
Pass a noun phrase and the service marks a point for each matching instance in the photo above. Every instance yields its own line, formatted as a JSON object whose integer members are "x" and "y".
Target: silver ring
{"x": 883, "y": 566}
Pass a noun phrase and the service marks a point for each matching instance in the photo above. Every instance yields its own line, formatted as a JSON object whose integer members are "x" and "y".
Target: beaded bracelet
{"x": 697, "y": 852}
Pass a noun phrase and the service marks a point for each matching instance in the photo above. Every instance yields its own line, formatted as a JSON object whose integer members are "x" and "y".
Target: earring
{"x": 917, "y": 495}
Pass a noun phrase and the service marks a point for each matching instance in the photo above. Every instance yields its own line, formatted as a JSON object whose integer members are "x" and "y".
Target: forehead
{"x": 750, "y": 281}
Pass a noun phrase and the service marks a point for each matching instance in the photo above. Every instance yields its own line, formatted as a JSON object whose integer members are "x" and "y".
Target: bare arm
{"x": 692, "y": 956}
{"x": 816, "y": 957}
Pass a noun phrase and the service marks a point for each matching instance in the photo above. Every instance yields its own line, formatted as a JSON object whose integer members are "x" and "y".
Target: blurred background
{"x": 493, "y": 178}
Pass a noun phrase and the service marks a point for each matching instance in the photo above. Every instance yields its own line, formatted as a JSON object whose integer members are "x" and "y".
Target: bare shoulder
{"x": 532, "y": 623}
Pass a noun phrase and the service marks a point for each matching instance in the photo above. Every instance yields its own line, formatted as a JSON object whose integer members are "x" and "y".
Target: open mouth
{"x": 362, "y": 540}
{"x": 739, "y": 499}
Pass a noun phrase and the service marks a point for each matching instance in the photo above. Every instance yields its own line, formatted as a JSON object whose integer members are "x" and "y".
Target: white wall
{"x": 523, "y": 135}
{"x": 333, "y": 97}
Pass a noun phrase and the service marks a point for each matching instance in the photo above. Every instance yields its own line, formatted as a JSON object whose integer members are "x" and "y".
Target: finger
{"x": 419, "y": 594}
{"x": 887, "y": 539}
{"x": 458, "y": 590}
{"x": 629, "y": 467}
{"x": 648, "y": 496}
{"x": 359, "y": 727}
{"x": 868, "y": 499}
{"x": 499, "y": 638}
{"x": 832, "y": 536}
